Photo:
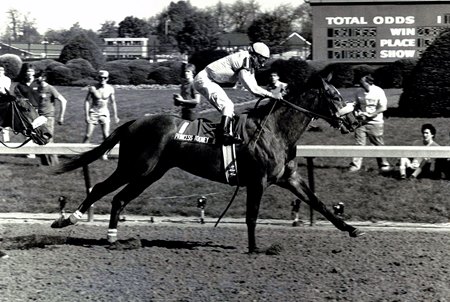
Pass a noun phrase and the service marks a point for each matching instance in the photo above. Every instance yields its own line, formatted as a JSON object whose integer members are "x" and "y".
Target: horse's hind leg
{"x": 294, "y": 183}
{"x": 126, "y": 195}
{"x": 112, "y": 183}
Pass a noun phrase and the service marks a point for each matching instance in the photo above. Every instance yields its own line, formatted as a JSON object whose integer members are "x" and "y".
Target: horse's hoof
{"x": 356, "y": 233}
{"x": 61, "y": 223}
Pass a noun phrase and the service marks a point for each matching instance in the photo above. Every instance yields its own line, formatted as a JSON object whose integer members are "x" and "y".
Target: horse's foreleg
{"x": 294, "y": 183}
{"x": 254, "y": 194}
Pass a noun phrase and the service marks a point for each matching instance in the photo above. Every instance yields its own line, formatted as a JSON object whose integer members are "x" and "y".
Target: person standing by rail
{"x": 370, "y": 103}
{"x": 96, "y": 107}
{"x": 48, "y": 96}
{"x": 188, "y": 98}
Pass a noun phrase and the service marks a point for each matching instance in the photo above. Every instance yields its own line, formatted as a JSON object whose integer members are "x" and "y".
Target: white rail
{"x": 373, "y": 151}
{"x": 56, "y": 148}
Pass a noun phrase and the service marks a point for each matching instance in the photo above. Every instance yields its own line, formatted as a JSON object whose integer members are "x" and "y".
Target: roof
{"x": 351, "y": 2}
{"x": 295, "y": 39}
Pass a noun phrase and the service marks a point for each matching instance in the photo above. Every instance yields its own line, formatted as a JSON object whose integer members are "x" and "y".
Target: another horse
{"x": 20, "y": 115}
{"x": 271, "y": 132}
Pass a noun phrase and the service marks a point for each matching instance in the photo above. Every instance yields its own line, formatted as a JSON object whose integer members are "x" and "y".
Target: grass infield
{"x": 26, "y": 187}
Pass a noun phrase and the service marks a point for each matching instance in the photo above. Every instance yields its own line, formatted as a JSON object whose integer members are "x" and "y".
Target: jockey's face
{"x": 258, "y": 60}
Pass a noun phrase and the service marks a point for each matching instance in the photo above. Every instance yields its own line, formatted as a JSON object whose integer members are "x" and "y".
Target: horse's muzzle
{"x": 41, "y": 136}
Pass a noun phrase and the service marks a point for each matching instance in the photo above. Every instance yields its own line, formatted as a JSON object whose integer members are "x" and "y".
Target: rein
{"x": 16, "y": 147}
{"x": 309, "y": 112}
{"x": 16, "y": 112}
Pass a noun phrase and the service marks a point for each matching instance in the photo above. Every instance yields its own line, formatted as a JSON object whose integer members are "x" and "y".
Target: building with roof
{"x": 375, "y": 31}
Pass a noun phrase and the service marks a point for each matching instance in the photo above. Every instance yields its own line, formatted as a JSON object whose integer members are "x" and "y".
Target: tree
{"x": 199, "y": 32}
{"x": 81, "y": 46}
{"x": 426, "y": 91}
{"x": 29, "y": 31}
{"x": 171, "y": 22}
{"x": 242, "y": 14}
{"x": 64, "y": 36}
{"x": 302, "y": 20}
{"x": 14, "y": 24}
{"x": 133, "y": 27}
{"x": 222, "y": 19}
{"x": 21, "y": 28}
{"x": 109, "y": 29}
{"x": 270, "y": 29}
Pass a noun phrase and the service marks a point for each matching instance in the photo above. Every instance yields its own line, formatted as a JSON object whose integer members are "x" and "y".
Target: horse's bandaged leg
{"x": 75, "y": 216}
{"x": 112, "y": 235}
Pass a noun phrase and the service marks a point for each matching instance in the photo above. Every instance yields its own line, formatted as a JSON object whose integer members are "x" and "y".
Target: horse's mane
{"x": 296, "y": 95}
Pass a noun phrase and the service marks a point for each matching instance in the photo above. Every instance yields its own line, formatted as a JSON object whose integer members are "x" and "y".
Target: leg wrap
{"x": 75, "y": 216}
{"x": 112, "y": 235}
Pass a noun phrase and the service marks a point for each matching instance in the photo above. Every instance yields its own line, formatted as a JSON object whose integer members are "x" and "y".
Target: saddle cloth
{"x": 203, "y": 131}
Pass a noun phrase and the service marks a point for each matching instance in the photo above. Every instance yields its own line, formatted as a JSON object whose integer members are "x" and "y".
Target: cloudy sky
{"x": 90, "y": 14}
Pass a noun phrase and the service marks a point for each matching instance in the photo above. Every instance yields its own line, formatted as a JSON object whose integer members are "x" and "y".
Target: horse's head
{"x": 340, "y": 113}
{"x": 22, "y": 117}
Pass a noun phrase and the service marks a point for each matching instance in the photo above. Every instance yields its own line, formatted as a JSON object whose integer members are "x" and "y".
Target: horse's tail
{"x": 90, "y": 156}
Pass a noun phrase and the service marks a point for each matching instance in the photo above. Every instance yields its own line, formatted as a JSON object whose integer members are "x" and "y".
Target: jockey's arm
{"x": 249, "y": 82}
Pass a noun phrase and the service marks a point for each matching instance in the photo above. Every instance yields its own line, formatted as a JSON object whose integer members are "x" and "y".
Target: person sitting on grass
{"x": 419, "y": 166}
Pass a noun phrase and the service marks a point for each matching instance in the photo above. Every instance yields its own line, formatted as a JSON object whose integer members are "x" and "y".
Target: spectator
{"x": 188, "y": 97}
{"x": 5, "y": 82}
{"x": 419, "y": 166}
{"x": 48, "y": 96}
{"x": 21, "y": 87}
{"x": 240, "y": 66}
{"x": 276, "y": 86}
{"x": 370, "y": 103}
{"x": 5, "y": 85}
{"x": 442, "y": 168}
{"x": 97, "y": 112}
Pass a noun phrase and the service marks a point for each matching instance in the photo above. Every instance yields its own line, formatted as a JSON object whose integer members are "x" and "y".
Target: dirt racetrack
{"x": 194, "y": 262}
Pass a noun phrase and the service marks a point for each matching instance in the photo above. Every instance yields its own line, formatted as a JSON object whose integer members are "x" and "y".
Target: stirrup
{"x": 228, "y": 139}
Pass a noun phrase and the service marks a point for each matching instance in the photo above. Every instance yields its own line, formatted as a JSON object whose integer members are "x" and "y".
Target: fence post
{"x": 310, "y": 165}
{"x": 87, "y": 182}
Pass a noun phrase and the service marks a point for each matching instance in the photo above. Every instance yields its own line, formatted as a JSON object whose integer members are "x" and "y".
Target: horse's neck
{"x": 291, "y": 123}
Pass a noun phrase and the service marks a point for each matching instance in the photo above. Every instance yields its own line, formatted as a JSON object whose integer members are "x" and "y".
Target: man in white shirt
{"x": 5, "y": 82}
{"x": 370, "y": 103}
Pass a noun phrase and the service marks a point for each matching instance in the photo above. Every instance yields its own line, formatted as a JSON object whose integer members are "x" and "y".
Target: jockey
{"x": 239, "y": 66}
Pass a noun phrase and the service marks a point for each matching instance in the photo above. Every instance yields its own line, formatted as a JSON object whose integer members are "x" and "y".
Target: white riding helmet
{"x": 261, "y": 49}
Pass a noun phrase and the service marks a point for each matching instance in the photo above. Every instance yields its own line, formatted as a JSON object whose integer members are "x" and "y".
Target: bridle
{"x": 19, "y": 120}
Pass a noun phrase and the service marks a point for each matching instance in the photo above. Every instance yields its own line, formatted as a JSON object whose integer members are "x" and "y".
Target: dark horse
{"x": 20, "y": 115}
{"x": 271, "y": 132}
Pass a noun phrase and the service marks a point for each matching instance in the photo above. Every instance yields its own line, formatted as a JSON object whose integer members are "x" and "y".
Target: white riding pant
{"x": 213, "y": 93}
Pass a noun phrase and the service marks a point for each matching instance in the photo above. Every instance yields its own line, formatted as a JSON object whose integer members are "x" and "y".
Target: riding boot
{"x": 225, "y": 137}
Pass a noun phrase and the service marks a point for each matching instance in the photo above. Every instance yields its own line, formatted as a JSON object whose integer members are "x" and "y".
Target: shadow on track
{"x": 41, "y": 241}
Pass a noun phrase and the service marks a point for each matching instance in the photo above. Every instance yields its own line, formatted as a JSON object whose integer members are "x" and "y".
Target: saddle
{"x": 204, "y": 131}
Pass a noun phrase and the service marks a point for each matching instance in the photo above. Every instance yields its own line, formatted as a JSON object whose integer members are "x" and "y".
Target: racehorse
{"x": 270, "y": 133}
{"x": 20, "y": 115}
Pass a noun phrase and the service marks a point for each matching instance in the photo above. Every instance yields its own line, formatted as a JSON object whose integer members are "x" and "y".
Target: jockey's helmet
{"x": 260, "y": 53}
{"x": 261, "y": 49}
